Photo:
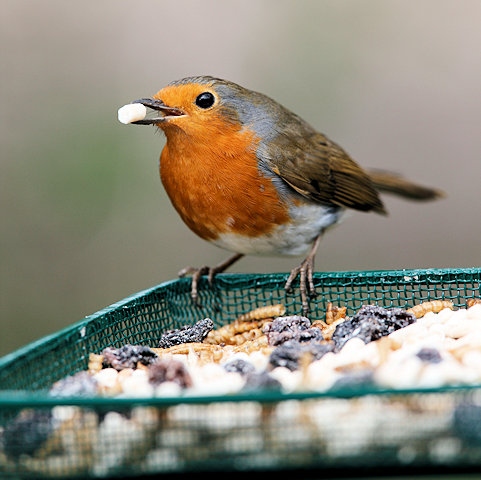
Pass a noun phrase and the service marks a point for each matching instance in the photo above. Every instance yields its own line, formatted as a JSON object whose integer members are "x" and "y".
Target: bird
{"x": 252, "y": 177}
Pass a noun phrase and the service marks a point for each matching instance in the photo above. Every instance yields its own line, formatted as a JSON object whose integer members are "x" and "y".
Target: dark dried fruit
{"x": 128, "y": 356}
{"x": 429, "y": 355}
{"x": 27, "y": 432}
{"x": 169, "y": 370}
{"x": 290, "y": 353}
{"x": 186, "y": 334}
{"x": 239, "y": 365}
{"x": 82, "y": 384}
{"x": 261, "y": 381}
{"x": 293, "y": 327}
{"x": 371, "y": 323}
{"x": 354, "y": 380}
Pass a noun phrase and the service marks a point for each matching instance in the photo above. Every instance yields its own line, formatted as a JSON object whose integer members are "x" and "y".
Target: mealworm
{"x": 261, "y": 313}
{"x": 334, "y": 312}
{"x": 470, "y": 302}
{"x": 434, "y": 306}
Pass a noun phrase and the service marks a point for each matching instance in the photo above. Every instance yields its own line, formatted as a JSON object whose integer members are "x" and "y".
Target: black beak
{"x": 158, "y": 106}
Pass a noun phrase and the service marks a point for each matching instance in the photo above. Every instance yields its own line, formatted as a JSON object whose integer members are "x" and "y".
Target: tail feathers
{"x": 389, "y": 182}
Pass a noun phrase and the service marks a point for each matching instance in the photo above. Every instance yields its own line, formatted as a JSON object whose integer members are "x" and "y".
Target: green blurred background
{"x": 85, "y": 221}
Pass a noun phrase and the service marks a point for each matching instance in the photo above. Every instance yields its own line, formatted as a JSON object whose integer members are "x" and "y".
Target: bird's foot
{"x": 306, "y": 283}
{"x": 196, "y": 273}
{"x": 211, "y": 272}
{"x": 304, "y": 271}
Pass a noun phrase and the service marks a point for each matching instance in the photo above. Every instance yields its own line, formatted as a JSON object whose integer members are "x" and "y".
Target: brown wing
{"x": 322, "y": 171}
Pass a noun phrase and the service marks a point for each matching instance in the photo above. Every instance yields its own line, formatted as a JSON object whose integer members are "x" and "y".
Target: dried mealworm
{"x": 258, "y": 344}
{"x": 334, "y": 312}
{"x": 470, "y": 302}
{"x": 434, "y": 306}
{"x": 95, "y": 363}
{"x": 327, "y": 330}
{"x": 261, "y": 313}
{"x": 185, "y": 348}
{"x": 228, "y": 334}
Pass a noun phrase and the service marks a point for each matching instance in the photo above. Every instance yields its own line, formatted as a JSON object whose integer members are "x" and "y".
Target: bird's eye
{"x": 205, "y": 100}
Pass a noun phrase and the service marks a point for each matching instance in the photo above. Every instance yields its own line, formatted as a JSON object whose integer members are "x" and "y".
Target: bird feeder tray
{"x": 347, "y": 429}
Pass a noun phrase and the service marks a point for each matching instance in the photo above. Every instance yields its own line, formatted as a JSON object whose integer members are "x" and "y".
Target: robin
{"x": 254, "y": 178}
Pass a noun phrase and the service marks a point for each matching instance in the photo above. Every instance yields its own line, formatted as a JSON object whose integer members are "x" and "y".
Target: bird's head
{"x": 205, "y": 105}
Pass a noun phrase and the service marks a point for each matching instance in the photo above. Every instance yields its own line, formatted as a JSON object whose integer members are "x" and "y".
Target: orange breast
{"x": 215, "y": 184}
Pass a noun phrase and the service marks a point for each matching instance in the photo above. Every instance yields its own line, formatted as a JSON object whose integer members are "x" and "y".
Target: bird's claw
{"x": 211, "y": 272}
{"x": 306, "y": 283}
{"x": 196, "y": 273}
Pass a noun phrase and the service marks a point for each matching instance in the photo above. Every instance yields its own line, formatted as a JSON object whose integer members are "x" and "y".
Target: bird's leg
{"x": 305, "y": 271}
{"x": 209, "y": 271}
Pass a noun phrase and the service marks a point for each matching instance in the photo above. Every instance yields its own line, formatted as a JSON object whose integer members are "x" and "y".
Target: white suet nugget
{"x": 132, "y": 112}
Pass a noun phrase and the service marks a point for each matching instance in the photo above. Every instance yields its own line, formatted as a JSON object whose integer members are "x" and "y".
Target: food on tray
{"x": 186, "y": 334}
{"x": 428, "y": 345}
{"x": 431, "y": 345}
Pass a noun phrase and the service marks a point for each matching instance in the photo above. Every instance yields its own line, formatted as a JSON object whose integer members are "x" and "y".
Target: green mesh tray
{"x": 242, "y": 432}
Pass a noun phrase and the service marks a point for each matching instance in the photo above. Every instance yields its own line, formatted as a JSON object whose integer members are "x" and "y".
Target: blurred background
{"x": 85, "y": 220}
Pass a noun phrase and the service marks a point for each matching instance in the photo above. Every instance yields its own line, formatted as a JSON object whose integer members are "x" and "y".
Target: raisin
{"x": 186, "y": 334}
{"x": 289, "y": 353}
{"x": 293, "y": 327}
{"x": 371, "y": 323}
{"x": 256, "y": 381}
{"x": 363, "y": 378}
{"x": 239, "y": 365}
{"x": 169, "y": 370}
{"x": 429, "y": 355}
{"x": 27, "y": 432}
{"x": 81, "y": 384}
{"x": 128, "y": 356}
